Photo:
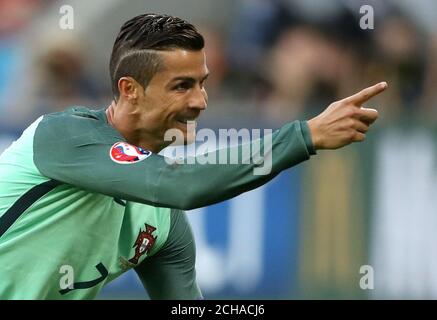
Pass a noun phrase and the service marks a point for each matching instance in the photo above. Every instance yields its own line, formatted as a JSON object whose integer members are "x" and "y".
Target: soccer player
{"x": 84, "y": 195}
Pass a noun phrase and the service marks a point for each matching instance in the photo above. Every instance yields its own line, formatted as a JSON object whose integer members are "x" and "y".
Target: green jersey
{"x": 79, "y": 205}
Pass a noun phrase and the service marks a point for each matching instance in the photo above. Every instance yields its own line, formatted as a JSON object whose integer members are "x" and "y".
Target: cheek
{"x": 175, "y": 103}
{"x": 163, "y": 106}
{"x": 158, "y": 106}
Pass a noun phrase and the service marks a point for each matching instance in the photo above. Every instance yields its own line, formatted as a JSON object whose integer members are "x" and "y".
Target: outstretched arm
{"x": 76, "y": 151}
{"x": 84, "y": 161}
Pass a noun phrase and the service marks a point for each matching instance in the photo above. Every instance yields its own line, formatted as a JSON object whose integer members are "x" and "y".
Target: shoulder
{"x": 76, "y": 123}
{"x": 74, "y": 117}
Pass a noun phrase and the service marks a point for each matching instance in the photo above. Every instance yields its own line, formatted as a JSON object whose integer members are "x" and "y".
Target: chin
{"x": 189, "y": 139}
{"x": 185, "y": 139}
{"x": 181, "y": 135}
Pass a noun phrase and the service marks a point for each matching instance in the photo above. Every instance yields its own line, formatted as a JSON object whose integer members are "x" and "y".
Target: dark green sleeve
{"x": 75, "y": 149}
{"x": 170, "y": 273}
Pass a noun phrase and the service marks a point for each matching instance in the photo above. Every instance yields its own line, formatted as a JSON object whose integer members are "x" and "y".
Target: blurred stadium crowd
{"x": 271, "y": 61}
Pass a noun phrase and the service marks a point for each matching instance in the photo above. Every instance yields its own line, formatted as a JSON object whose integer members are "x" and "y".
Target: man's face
{"x": 175, "y": 95}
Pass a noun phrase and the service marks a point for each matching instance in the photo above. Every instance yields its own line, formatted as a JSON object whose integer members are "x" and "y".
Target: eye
{"x": 183, "y": 86}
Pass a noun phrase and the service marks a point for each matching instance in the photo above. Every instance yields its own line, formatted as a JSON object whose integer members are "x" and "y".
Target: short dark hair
{"x": 133, "y": 52}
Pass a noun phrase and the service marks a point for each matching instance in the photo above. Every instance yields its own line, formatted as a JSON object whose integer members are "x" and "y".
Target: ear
{"x": 129, "y": 88}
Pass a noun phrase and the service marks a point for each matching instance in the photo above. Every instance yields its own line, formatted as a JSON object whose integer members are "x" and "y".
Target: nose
{"x": 199, "y": 99}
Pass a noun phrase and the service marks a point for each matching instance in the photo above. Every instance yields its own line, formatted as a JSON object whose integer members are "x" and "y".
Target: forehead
{"x": 180, "y": 62}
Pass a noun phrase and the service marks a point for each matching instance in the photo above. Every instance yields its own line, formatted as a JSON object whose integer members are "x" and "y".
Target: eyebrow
{"x": 190, "y": 79}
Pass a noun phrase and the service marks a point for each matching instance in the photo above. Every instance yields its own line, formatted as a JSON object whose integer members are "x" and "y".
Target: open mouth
{"x": 187, "y": 121}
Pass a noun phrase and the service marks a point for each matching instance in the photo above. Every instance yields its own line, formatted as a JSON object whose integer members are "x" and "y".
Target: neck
{"x": 128, "y": 125}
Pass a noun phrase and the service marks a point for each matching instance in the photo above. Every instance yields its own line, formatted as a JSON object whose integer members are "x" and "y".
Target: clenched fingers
{"x": 367, "y": 115}
{"x": 360, "y": 126}
{"x": 359, "y": 137}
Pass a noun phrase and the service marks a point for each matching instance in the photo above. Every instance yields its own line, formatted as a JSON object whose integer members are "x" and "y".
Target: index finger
{"x": 366, "y": 94}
